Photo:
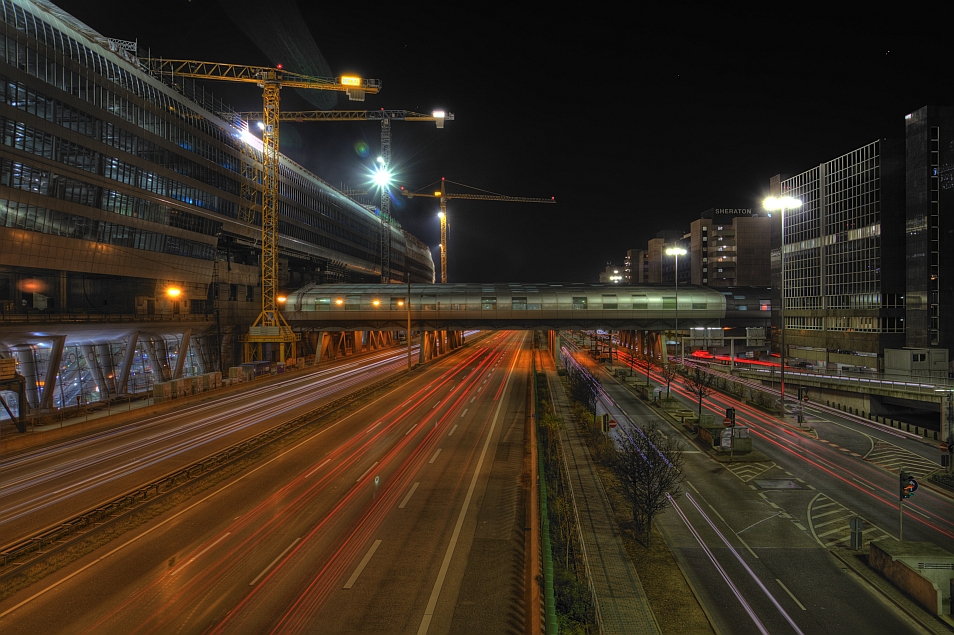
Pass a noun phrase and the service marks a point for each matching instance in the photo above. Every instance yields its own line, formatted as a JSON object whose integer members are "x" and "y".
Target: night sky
{"x": 636, "y": 120}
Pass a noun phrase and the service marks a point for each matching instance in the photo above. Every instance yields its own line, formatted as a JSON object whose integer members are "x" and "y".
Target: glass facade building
{"x": 929, "y": 200}
{"x": 844, "y": 257}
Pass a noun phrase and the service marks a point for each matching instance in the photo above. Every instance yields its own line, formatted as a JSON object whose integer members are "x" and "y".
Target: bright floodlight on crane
{"x": 382, "y": 177}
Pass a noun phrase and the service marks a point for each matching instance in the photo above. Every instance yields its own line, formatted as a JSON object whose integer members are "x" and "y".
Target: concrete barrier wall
{"x": 920, "y": 589}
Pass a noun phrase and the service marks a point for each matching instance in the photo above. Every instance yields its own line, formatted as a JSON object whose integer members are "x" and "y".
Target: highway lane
{"x": 747, "y": 545}
{"x": 46, "y": 484}
{"x": 373, "y": 524}
{"x": 852, "y": 465}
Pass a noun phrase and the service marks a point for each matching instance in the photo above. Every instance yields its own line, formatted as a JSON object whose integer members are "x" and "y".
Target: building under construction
{"x": 125, "y": 208}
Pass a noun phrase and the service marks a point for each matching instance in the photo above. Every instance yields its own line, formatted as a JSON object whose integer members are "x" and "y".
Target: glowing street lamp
{"x": 771, "y": 204}
{"x": 676, "y": 251}
{"x": 173, "y": 292}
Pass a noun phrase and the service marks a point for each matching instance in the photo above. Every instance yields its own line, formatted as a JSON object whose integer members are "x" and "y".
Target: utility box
{"x": 162, "y": 392}
{"x": 8, "y": 368}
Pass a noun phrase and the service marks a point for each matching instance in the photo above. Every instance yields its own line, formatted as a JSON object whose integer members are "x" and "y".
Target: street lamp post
{"x": 781, "y": 204}
{"x": 676, "y": 251}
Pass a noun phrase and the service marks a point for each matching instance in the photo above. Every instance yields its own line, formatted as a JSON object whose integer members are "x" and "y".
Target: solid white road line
{"x": 362, "y": 565}
{"x": 433, "y": 458}
{"x": 274, "y": 562}
{"x": 409, "y": 494}
{"x": 445, "y": 564}
{"x": 452, "y": 430}
{"x": 800, "y": 605}
{"x": 366, "y": 472}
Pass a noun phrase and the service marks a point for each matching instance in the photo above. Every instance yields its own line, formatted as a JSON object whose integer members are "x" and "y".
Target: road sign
{"x": 727, "y": 422}
{"x": 945, "y": 447}
{"x": 612, "y": 423}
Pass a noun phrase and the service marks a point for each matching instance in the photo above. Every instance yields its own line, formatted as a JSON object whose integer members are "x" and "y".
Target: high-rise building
{"x": 731, "y": 247}
{"x": 844, "y": 258}
{"x": 657, "y": 257}
{"x": 636, "y": 266}
{"x": 929, "y": 203}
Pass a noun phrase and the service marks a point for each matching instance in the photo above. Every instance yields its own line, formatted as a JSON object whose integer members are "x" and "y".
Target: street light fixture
{"x": 676, "y": 251}
{"x": 771, "y": 204}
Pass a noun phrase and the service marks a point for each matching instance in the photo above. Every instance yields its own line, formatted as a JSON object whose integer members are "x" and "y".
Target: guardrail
{"x": 552, "y": 628}
{"x": 101, "y": 318}
{"x": 18, "y": 553}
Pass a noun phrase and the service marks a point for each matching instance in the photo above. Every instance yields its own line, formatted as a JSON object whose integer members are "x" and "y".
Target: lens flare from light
{"x": 361, "y": 149}
{"x": 382, "y": 177}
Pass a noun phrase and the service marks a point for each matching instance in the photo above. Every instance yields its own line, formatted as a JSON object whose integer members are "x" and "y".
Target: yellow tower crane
{"x": 443, "y": 195}
{"x": 270, "y": 327}
{"x": 385, "y": 117}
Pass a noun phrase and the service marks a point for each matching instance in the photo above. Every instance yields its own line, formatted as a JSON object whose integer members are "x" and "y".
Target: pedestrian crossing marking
{"x": 893, "y": 458}
{"x": 835, "y": 531}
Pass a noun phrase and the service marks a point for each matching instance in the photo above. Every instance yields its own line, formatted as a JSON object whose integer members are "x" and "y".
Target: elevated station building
{"x": 116, "y": 188}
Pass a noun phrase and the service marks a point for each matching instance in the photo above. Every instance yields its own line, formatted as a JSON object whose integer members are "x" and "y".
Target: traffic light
{"x": 908, "y": 485}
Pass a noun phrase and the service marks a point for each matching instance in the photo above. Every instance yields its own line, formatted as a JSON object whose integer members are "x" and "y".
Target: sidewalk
{"x": 622, "y": 603}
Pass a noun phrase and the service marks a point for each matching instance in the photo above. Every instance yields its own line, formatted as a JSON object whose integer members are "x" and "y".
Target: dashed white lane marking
{"x": 366, "y": 472}
{"x": 791, "y": 595}
{"x": 409, "y": 494}
{"x": 272, "y": 564}
{"x": 362, "y": 565}
{"x": 317, "y": 468}
{"x": 433, "y": 458}
{"x": 452, "y": 430}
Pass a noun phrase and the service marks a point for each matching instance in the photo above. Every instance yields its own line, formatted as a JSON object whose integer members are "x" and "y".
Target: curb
{"x": 931, "y": 623}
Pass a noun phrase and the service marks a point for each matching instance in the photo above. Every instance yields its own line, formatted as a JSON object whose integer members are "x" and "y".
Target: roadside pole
{"x": 901, "y": 505}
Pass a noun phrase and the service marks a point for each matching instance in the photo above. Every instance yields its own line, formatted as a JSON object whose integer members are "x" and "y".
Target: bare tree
{"x": 649, "y": 468}
{"x": 582, "y": 388}
{"x": 699, "y": 384}
{"x": 649, "y": 366}
{"x": 669, "y": 372}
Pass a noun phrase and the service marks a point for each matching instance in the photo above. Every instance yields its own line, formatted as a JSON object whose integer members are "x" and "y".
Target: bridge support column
{"x": 28, "y": 362}
{"x": 429, "y": 345}
{"x": 122, "y": 384}
{"x": 183, "y": 353}
{"x": 52, "y": 370}
{"x": 108, "y": 367}
{"x": 96, "y": 370}
{"x": 160, "y": 359}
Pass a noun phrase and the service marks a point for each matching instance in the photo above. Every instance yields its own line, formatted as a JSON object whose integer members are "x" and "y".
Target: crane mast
{"x": 385, "y": 117}
{"x": 444, "y": 196}
{"x": 270, "y": 327}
